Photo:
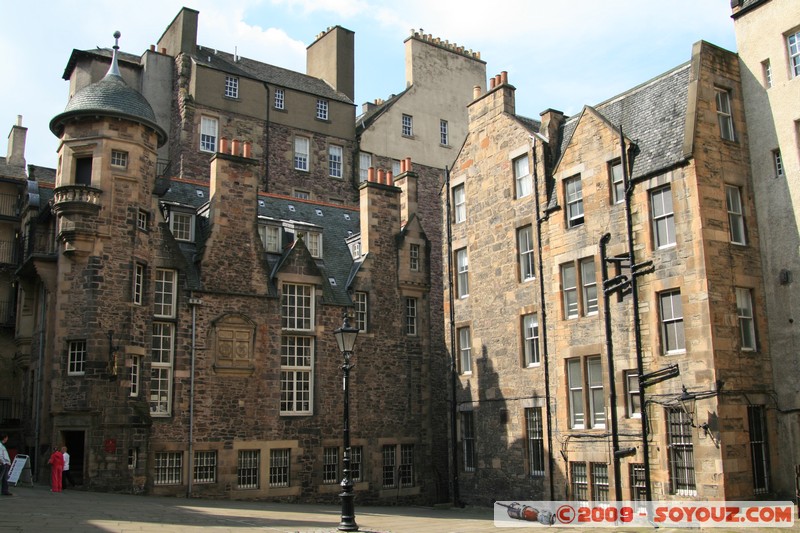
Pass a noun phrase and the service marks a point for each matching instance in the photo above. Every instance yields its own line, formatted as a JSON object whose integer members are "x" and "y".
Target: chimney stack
{"x": 15, "y": 156}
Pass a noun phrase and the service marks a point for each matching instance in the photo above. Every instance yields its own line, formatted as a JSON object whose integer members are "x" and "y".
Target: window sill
{"x": 533, "y": 365}
{"x": 279, "y": 109}
{"x": 231, "y": 98}
{"x": 674, "y": 352}
{"x": 325, "y": 120}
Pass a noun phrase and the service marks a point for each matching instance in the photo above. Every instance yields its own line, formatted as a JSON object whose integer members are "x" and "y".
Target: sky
{"x": 558, "y": 54}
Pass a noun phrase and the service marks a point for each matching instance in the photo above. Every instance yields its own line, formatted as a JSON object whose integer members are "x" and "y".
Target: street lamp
{"x": 346, "y": 339}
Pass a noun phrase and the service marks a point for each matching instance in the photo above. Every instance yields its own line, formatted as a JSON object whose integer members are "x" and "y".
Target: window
{"x": 301, "y": 153}
{"x": 297, "y": 307}
{"x": 119, "y": 159}
{"x": 522, "y": 176}
{"x": 360, "y": 302}
{"x": 465, "y": 350}
{"x": 134, "y": 376}
{"x": 302, "y": 195}
{"x": 680, "y": 453}
{"x": 766, "y": 71}
{"x": 296, "y": 374}
{"x": 589, "y": 281}
{"x": 459, "y": 203}
{"x": 389, "y": 453}
{"x": 247, "y": 469}
{"x": 314, "y": 243}
{"x": 462, "y": 268}
{"x": 205, "y": 467}
{"x": 335, "y": 161}
{"x": 280, "y": 98}
{"x": 468, "y": 440}
{"x": 413, "y": 257}
{"x": 406, "y": 470}
{"x": 617, "y": 182}
{"x": 638, "y": 484}
{"x": 589, "y": 379}
{"x": 208, "y": 134}
{"x": 330, "y": 466}
{"x": 279, "y": 468}
{"x": 579, "y": 481}
{"x": 322, "y": 109}
{"x": 573, "y": 194}
{"x": 672, "y": 335}
{"x": 162, "y": 354}
{"x": 663, "y": 217}
{"x": 168, "y": 468}
{"x": 408, "y": 126}
{"x": 411, "y": 316}
{"x": 733, "y": 200}
{"x": 525, "y": 247}
{"x": 535, "y": 437}
{"x": 76, "y": 358}
{"x": 141, "y": 220}
{"x": 270, "y": 237}
{"x": 778, "y": 162}
{"x": 396, "y": 167}
{"x": 444, "y": 135}
{"x": 182, "y": 226}
{"x": 355, "y": 463}
{"x": 138, "y": 283}
{"x": 165, "y": 293}
{"x": 231, "y": 87}
{"x": 599, "y": 473}
{"x": 744, "y": 310}
{"x": 632, "y": 399}
{"x": 569, "y": 290}
{"x": 364, "y": 164}
{"x": 793, "y": 43}
{"x": 724, "y": 114}
{"x": 83, "y": 171}
{"x": 759, "y": 449}
{"x": 530, "y": 334}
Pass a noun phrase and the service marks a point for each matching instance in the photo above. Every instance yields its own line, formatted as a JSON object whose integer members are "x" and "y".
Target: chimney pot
{"x": 491, "y": 83}
{"x": 504, "y": 77}
{"x": 476, "y": 92}
{"x": 408, "y": 164}
{"x": 371, "y": 174}
{"x": 223, "y": 145}
{"x": 164, "y": 51}
{"x": 152, "y": 48}
{"x": 381, "y": 176}
{"x": 247, "y": 149}
{"x": 497, "y": 80}
{"x": 235, "y": 147}
{"x": 389, "y": 177}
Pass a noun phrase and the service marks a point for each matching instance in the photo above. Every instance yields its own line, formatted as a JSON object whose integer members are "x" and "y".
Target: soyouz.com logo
{"x": 690, "y": 514}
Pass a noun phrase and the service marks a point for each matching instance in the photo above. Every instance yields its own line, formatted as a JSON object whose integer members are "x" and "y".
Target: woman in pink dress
{"x": 56, "y": 467}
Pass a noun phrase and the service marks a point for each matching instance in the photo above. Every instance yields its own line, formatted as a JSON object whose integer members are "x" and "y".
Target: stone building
{"x": 531, "y": 203}
{"x": 768, "y": 39}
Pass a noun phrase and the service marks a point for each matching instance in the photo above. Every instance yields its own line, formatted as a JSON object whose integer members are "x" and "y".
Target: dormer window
{"x": 181, "y": 223}
{"x": 271, "y": 237}
{"x": 355, "y": 249}
{"x": 313, "y": 240}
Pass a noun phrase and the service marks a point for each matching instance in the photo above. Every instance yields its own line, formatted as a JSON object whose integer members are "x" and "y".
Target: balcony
{"x": 9, "y": 206}
{"x": 76, "y": 199}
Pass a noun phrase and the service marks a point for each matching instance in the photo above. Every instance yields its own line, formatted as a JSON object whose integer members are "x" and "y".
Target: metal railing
{"x": 9, "y": 205}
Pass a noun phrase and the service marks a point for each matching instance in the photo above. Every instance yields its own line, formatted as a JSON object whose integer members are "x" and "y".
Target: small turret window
{"x": 119, "y": 159}
{"x": 83, "y": 171}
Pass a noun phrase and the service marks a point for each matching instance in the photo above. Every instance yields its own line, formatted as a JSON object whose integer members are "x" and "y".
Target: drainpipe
{"x": 453, "y": 368}
{"x": 543, "y": 311}
{"x": 193, "y": 302}
{"x": 266, "y": 142}
{"x": 39, "y": 381}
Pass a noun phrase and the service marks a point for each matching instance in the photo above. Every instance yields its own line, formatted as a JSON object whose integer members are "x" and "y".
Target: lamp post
{"x": 346, "y": 338}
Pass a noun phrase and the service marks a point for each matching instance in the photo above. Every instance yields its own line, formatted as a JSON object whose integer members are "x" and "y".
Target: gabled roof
{"x": 130, "y": 60}
{"x": 652, "y": 115}
{"x": 365, "y": 120}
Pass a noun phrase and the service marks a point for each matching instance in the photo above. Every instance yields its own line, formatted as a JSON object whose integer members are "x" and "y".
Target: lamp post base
{"x": 348, "y": 521}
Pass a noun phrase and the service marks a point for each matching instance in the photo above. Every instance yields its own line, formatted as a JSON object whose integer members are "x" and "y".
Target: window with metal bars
{"x": 247, "y": 469}
{"x": 535, "y": 438}
{"x": 205, "y": 466}
{"x": 759, "y": 448}
{"x": 279, "y": 467}
{"x": 468, "y": 440}
{"x": 579, "y": 482}
{"x": 330, "y": 465}
{"x": 168, "y": 468}
{"x": 680, "y": 451}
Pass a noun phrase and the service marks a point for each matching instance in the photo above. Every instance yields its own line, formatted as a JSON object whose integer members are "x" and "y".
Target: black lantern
{"x": 346, "y": 339}
{"x": 688, "y": 403}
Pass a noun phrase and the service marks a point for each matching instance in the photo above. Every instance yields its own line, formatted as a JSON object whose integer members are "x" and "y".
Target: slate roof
{"x": 131, "y": 60}
{"x": 652, "y": 115}
{"x": 746, "y": 5}
{"x": 10, "y": 171}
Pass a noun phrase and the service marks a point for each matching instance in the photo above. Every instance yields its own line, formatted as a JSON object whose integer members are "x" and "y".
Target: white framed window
{"x": 778, "y": 162}
{"x": 793, "y": 44}
{"x": 599, "y": 473}
{"x": 303, "y": 195}
{"x": 585, "y": 393}
{"x": 297, "y": 307}
{"x": 579, "y": 481}
{"x": 671, "y": 315}
{"x": 759, "y": 448}
{"x": 76, "y": 358}
{"x": 162, "y": 356}
{"x": 766, "y": 71}
{"x": 168, "y": 468}
{"x": 744, "y": 312}
{"x": 444, "y": 133}
{"x": 468, "y": 440}
{"x": 633, "y": 400}
{"x": 208, "y": 134}
{"x": 594, "y": 380}
{"x": 330, "y": 465}
{"x": 138, "y": 283}
{"x": 530, "y": 344}
{"x": 322, "y": 109}
{"x": 360, "y": 300}
{"x": 301, "y": 145}
{"x": 680, "y": 453}
{"x": 408, "y": 126}
{"x": 411, "y": 316}
{"x": 663, "y": 217}
{"x": 270, "y": 236}
{"x": 165, "y": 292}
{"x": 355, "y": 463}
{"x": 141, "y": 220}
{"x": 389, "y": 456}
{"x": 205, "y": 466}
{"x": 573, "y": 194}
{"x": 279, "y": 467}
{"x": 119, "y": 159}
{"x": 462, "y": 270}
{"x": 577, "y": 412}
{"x": 297, "y": 374}
{"x": 413, "y": 257}
{"x": 314, "y": 243}
{"x": 248, "y": 466}
{"x": 534, "y": 435}
{"x": 459, "y": 204}
{"x": 569, "y": 290}
{"x": 231, "y": 87}
{"x": 724, "y": 117}
{"x": 637, "y": 481}
{"x": 280, "y": 98}
{"x": 589, "y": 284}
{"x": 335, "y": 158}
{"x": 522, "y": 176}
{"x": 364, "y": 164}
{"x": 617, "y": 182}
{"x": 733, "y": 201}
{"x": 527, "y": 270}
{"x": 465, "y": 350}
{"x": 406, "y": 469}
{"x": 181, "y": 224}
{"x": 133, "y": 377}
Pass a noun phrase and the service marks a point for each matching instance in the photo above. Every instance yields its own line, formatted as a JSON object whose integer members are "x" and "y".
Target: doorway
{"x": 75, "y": 443}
